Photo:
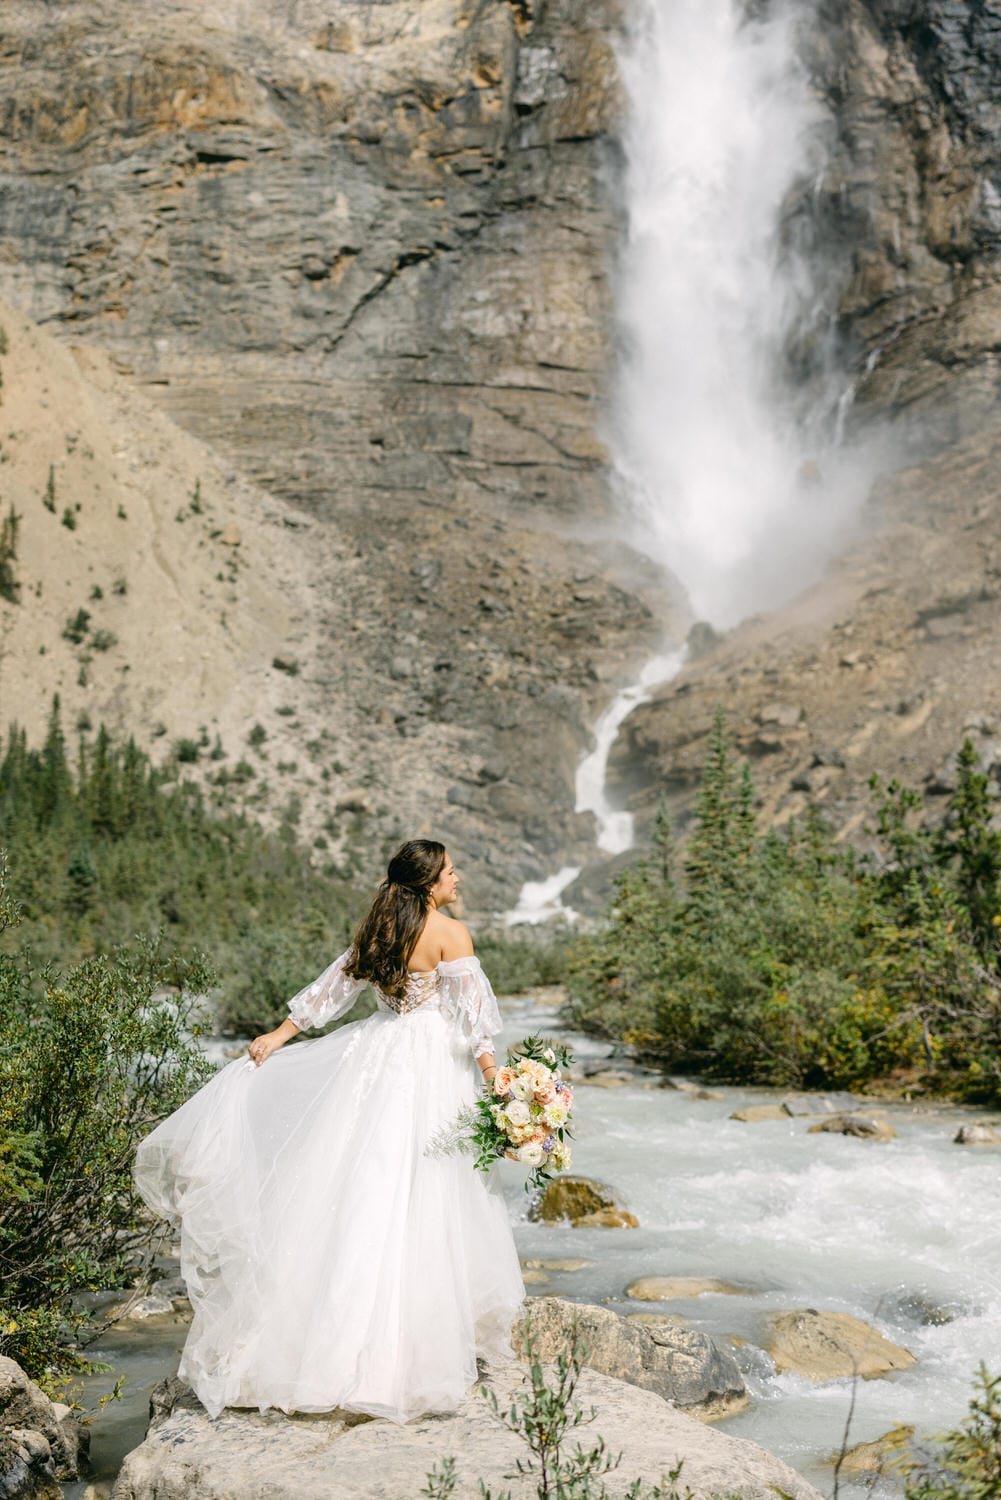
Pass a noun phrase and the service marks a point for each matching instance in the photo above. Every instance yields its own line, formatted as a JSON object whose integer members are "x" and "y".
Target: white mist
{"x": 720, "y": 468}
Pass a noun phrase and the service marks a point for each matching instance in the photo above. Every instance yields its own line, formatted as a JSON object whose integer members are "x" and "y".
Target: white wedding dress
{"x": 329, "y": 1260}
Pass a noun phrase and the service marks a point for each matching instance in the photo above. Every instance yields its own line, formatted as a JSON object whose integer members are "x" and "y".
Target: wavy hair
{"x": 388, "y": 933}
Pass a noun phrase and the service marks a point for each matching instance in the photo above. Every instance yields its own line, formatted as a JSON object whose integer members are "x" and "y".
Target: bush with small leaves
{"x": 103, "y": 640}
{"x": 186, "y": 751}
{"x": 257, "y": 736}
{"x": 77, "y": 627}
{"x": 543, "y": 1416}
{"x": 10, "y": 589}
{"x": 964, "y": 1464}
{"x": 92, "y": 1057}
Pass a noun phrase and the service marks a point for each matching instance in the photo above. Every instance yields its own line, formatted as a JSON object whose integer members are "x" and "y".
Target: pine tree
{"x": 722, "y": 844}
{"x": 977, "y": 846}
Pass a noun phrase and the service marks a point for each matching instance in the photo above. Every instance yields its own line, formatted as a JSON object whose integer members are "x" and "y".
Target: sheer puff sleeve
{"x": 327, "y": 997}
{"x": 470, "y": 999}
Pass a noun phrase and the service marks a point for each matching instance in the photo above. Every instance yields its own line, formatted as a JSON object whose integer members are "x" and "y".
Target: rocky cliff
{"x": 362, "y": 254}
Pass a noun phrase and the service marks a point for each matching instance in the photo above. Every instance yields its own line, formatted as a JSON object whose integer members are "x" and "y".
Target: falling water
{"x": 728, "y": 414}
{"x": 615, "y": 828}
{"x": 720, "y": 455}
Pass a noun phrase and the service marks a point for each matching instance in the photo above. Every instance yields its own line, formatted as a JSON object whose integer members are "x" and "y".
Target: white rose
{"x": 549, "y": 1055}
{"x": 531, "y": 1154}
{"x": 522, "y": 1087}
{"x": 518, "y": 1112}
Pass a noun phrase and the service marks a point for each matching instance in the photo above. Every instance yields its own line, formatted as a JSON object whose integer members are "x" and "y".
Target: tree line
{"x": 783, "y": 957}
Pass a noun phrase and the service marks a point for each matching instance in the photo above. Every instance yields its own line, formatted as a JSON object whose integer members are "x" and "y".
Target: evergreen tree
{"x": 976, "y": 843}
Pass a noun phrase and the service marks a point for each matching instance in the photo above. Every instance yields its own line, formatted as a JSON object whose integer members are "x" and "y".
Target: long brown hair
{"x": 389, "y": 930}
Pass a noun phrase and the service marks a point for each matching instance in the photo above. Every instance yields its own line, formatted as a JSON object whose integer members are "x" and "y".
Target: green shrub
{"x": 965, "y": 1463}
{"x": 543, "y": 1416}
{"x": 92, "y": 1057}
{"x": 10, "y": 589}
{"x": 76, "y": 627}
{"x": 515, "y": 964}
{"x": 784, "y": 958}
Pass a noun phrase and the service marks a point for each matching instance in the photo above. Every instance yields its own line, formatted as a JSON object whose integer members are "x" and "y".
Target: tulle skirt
{"x": 330, "y": 1262}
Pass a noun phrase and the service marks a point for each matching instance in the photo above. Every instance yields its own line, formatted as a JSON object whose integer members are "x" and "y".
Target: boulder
{"x": 751, "y": 1113}
{"x": 672, "y": 1288}
{"x": 831, "y": 1345}
{"x": 569, "y": 1197}
{"x": 804, "y": 1105}
{"x": 41, "y": 1442}
{"x": 608, "y": 1078}
{"x": 977, "y": 1134}
{"x": 607, "y": 1218}
{"x": 271, "y": 1456}
{"x": 559, "y": 1263}
{"x": 681, "y": 1364}
{"x": 863, "y": 1127}
{"x": 872, "y": 1458}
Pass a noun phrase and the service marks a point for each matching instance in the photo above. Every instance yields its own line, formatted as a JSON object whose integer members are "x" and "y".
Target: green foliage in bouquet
{"x": 786, "y": 958}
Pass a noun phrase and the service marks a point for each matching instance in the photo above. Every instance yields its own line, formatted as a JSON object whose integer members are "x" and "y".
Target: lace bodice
{"x": 422, "y": 987}
{"x": 456, "y": 987}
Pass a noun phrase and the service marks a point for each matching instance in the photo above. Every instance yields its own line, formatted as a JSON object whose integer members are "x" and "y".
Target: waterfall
{"x": 727, "y": 415}
{"x": 731, "y": 478}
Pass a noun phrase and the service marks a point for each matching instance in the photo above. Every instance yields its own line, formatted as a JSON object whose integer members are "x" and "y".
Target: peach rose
{"x": 503, "y": 1079}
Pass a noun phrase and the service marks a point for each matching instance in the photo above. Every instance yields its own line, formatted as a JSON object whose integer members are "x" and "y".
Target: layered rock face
{"x": 364, "y": 254}
{"x": 367, "y": 254}
{"x": 914, "y": 197}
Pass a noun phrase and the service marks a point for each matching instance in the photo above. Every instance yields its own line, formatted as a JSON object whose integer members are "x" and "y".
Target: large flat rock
{"x": 250, "y": 1456}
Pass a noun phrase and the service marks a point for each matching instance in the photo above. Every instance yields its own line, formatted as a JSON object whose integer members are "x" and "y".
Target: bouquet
{"x": 525, "y": 1112}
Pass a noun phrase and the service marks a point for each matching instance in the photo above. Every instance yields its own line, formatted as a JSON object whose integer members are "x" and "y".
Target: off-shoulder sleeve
{"x": 471, "y": 1000}
{"x": 327, "y": 997}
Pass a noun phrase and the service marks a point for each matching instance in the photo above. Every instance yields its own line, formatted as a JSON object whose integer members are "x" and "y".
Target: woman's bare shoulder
{"x": 451, "y": 936}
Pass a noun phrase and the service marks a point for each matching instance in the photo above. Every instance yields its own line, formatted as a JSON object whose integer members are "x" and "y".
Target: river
{"x": 904, "y": 1234}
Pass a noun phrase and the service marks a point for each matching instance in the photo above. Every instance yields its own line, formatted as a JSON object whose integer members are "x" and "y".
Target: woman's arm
{"x": 456, "y": 942}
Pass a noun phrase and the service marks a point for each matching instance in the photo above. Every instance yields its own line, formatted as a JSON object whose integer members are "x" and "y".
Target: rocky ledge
{"x": 41, "y": 1442}
{"x": 276, "y": 1457}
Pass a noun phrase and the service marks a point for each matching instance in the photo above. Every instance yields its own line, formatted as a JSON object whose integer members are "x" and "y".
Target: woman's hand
{"x": 262, "y": 1047}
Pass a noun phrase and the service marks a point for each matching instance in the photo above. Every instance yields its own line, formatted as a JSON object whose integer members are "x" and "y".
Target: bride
{"x": 330, "y": 1262}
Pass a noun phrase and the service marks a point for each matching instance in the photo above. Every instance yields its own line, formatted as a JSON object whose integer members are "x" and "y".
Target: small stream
{"x": 904, "y": 1234}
